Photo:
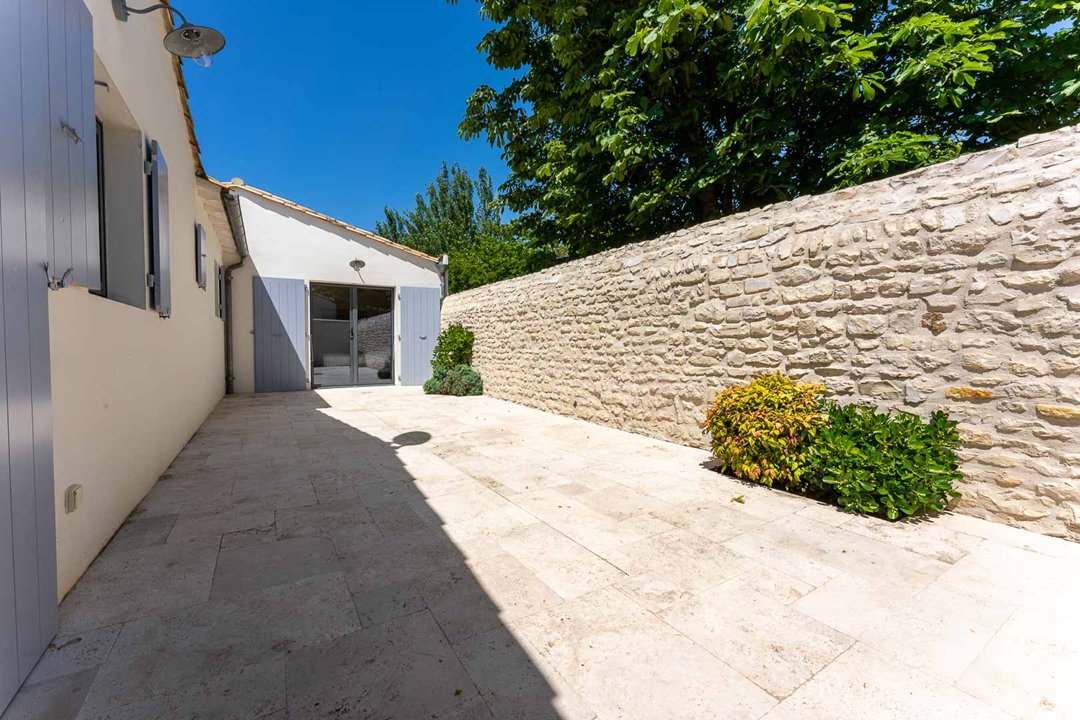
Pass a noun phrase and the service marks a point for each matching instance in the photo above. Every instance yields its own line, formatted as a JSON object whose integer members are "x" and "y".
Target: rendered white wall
{"x": 285, "y": 243}
{"x": 129, "y": 388}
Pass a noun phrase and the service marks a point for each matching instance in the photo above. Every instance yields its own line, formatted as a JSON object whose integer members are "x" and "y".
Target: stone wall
{"x": 375, "y": 340}
{"x": 955, "y": 286}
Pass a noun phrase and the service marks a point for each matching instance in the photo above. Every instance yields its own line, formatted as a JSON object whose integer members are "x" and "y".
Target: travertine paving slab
{"x": 403, "y": 668}
{"x": 652, "y": 592}
{"x": 248, "y": 568}
{"x": 770, "y": 643}
{"x": 865, "y": 683}
{"x": 688, "y": 560}
{"x": 516, "y": 681}
{"x": 1030, "y": 667}
{"x": 68, "y": 654}
{"x": 252, "y": 691}
{"x": 379, "y": 553}
{"x": 320, "y": 519}
{"x": 210, "y": 527}
{"x": 566, "y": 567}
{"x": 59, "y": 698}
{"x": 709, "y": 519}
{"x": 159, "y": 655}
{"x": 483, "y": 595}
{"x": 627, "y": 663}
{"x": 135, "y": 534}
{"x": 128, "y": 585}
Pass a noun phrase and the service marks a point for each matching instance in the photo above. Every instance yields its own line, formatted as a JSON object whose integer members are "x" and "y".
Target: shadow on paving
{"x": 286, "y": 566}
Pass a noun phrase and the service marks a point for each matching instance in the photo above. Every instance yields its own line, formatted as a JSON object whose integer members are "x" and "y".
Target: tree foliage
{"x": 627, "y": 118}
{"x": 460, "y": 217}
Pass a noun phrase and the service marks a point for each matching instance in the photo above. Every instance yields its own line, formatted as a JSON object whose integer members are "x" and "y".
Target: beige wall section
{"x": 956, "y": 286}
{"x": 129, "y": 388}
{"x": 286, "y": 243}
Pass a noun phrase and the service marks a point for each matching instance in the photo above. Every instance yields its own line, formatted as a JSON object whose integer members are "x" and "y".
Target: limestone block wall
{"x": 375, "y": 336}
{"x": 955, "y": 286}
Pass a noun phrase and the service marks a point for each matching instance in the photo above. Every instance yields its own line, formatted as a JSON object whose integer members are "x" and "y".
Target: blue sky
{"x": 345, "y": 107}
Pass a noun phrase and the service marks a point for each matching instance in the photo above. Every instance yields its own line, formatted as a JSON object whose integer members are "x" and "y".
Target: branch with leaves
{"x": 628, "y": 118}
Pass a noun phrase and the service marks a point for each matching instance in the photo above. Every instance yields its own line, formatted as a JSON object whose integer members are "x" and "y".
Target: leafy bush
{"x": 761, "y": 431}
{"x": 780, "y": 432}
{"x": 459, "y": 380}
{"x": 887, "y": 465}
{"x": 433, "y": 383}
{"x": 453, "y": 348}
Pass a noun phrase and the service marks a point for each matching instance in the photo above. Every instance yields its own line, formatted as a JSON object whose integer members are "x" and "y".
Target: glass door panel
{"x": 331, "y": 335}
{"x": 374, "y": 336}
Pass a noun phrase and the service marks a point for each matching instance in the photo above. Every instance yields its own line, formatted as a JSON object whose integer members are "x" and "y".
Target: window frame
{"x": 200, "y": 256}
{"x": 103, "y": 248}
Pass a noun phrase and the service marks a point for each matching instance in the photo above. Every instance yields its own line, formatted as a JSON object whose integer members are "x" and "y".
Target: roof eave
{"x": 257, "y": 192}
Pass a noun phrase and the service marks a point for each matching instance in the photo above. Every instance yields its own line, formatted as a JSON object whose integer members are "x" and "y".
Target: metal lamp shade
{"x": 194, "y": 41}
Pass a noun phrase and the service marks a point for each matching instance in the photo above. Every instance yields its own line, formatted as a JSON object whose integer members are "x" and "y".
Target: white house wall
{"x": 286, "y": 243}
{"x": 130, "y": 388}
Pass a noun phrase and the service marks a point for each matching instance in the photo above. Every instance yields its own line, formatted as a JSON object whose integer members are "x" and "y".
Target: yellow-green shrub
{"x": 762, "y": 431}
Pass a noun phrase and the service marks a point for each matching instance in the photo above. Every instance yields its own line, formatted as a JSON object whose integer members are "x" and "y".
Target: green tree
{"x": 460, "y": 217}
{"x": 627, "y": 118}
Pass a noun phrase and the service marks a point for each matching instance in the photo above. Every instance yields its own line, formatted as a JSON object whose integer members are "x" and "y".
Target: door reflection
{"x": 352, "y": 335}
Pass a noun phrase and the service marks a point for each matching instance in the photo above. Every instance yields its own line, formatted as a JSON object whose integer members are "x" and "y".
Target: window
{"x": 200, "y": 255}
{"x": 121, "y": 192}
{"x": 102, "y": 251}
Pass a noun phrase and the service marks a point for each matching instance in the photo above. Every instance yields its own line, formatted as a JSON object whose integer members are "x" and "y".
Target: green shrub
{"x": 459, "y": 380}
{"x": 454, "y": 347}
{"x": 761, "y": 431}
{"x": 887, "y": 465}
{"x": 433, "y": 383}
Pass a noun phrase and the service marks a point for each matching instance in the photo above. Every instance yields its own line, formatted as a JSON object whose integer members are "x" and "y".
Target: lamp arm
{"x": 152, "y": 8}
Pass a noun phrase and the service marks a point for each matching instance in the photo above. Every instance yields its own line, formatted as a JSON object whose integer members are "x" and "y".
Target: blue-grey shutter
{"x": 44, "y": 59}
{"x": 219, "y": 273}
{"x": 280, "y": 324}
{"x": 160, "y": 280}
{"x": 200, "y": 255}
{"x": 68, "y": 56}
{"x": 420, "y": 308}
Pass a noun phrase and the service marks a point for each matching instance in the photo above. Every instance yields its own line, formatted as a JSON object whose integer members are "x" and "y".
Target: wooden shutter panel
{"x": 161, "y": 282}
{"x": 220, "y": 291}
{"x": 34, "y": 84}
{"x": 420, "y": 312}
{"x": 200, "y": 255}
{"x": 75, "y": 243}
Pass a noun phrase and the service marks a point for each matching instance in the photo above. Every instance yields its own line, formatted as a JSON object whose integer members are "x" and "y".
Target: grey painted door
{"x": 280, "y": 334}
{"x": 420, "y": 308}
{"x": 48, "y": 206}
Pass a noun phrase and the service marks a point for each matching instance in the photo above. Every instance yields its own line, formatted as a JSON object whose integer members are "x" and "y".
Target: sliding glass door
{"x": 352, "y": 336}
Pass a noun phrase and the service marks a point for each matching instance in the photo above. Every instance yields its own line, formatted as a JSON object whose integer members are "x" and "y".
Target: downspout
{"x": 231, "y": 201}
{"x": 444, "y": 272}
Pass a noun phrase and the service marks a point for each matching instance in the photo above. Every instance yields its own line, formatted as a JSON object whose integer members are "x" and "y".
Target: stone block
{"x": 867, "y": 325}
{"x": 967, "y": 393}
{"x": 809, "y": 292}
{"x": 1059, "y": 414}
{"x": 980, "y": 362}
{"x": 969, "y": 242}
{"x": 1030, "y": 281}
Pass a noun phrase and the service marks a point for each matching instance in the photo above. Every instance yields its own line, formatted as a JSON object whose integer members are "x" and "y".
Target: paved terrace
{"x": 382, "y": 554}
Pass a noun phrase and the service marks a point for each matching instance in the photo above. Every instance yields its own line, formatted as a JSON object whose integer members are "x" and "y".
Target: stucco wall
{"x": 952, "y": 287}
{"x": 285, "y": 243}
{"x": 129, "y": 388}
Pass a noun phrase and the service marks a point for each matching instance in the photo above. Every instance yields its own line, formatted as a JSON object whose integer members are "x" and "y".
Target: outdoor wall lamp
{"x": 197, "y": 42}
{"x": 357, "y": 265}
